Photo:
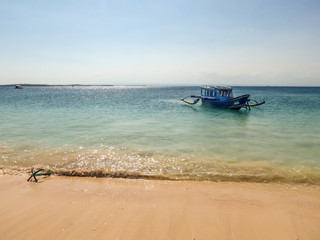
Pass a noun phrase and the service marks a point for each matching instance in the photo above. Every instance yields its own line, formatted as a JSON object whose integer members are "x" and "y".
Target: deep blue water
{"x": 149, "y": 132}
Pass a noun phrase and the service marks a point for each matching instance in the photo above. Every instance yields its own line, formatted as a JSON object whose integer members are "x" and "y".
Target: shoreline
{"x": 307, "y": 178}
{"x": 107, "y": 208}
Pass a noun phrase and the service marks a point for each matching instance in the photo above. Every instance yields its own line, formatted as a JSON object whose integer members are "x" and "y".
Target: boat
{"x": 18, "y": 87}
{"x": 223, "y": 97}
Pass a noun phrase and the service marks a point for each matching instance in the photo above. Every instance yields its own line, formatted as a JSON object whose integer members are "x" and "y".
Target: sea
{"x": 148, "y": 132}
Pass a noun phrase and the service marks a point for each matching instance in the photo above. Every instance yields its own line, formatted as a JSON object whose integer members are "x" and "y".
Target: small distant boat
{"x": 222, "y": 97}
{"x": 18, "y": 87}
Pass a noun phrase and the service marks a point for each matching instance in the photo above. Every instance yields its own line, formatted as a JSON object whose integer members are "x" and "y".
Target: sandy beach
{"x": 101, "y": 208}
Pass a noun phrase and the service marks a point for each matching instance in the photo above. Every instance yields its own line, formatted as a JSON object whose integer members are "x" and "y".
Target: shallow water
{"x": 147, "y": 132}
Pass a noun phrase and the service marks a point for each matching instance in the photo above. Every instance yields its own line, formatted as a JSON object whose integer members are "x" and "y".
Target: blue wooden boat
{"x": 222, "y": 97}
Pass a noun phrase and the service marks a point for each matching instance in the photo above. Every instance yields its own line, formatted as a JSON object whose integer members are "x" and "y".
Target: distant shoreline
{"x": 138, "y": 85}
{"x": 55, "y": 85}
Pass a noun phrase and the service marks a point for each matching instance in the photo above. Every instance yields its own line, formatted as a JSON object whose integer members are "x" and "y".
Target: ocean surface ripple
{"x": 147, "y": 132}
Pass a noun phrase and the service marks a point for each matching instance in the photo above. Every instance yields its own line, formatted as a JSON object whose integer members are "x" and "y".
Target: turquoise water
{"x": 147, "y": 132}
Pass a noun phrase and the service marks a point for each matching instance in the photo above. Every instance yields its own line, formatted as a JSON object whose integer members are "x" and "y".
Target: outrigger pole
{"x": 255, "y": 104}
{"x": 192, "y": 103}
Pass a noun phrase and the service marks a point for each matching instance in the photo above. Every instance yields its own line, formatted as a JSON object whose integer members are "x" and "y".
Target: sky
{"x": 176, "y": 42}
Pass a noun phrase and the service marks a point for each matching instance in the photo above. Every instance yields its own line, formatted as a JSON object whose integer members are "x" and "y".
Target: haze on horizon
{"x": 183, "y": 42}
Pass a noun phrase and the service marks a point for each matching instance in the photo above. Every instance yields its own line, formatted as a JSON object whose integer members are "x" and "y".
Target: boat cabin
{"x": 217, "y": 92}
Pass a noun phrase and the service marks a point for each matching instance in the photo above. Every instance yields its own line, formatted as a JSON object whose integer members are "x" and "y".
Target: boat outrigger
{"x": 222, "y": 97}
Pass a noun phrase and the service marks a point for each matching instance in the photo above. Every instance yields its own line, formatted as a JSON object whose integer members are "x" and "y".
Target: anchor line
{"x": 37, "y": 173}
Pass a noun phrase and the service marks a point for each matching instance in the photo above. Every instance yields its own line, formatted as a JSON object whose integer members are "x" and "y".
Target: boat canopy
{"x": 217, "y": 91}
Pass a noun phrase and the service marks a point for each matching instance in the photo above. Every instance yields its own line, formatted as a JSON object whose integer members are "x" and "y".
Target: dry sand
{"x": 89, "y": 208}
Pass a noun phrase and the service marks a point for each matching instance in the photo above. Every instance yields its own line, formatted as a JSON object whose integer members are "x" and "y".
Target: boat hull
{"x": 233, "y": 103}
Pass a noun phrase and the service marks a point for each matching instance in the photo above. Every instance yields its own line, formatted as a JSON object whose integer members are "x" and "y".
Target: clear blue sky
{"x": 249, "y": 42}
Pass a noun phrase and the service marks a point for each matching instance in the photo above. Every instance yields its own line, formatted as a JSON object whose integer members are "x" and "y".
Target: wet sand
{"x": 89, "y": 208}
